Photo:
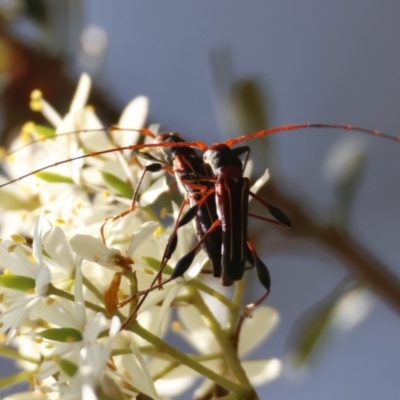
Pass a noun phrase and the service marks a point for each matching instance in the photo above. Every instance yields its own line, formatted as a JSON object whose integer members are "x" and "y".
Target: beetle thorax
{"x": 220, "y": 156}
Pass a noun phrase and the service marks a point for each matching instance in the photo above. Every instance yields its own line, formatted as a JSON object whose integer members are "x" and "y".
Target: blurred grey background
{"x": 316, "y": 61}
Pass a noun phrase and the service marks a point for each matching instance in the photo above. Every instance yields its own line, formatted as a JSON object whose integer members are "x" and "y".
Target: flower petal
{"x": 94, "y": 326}
{"x": 134, "y": 117}
{"x": 42, "y": 281}
{"x": 262, "y": 371}
{"x": 81, "y": 94}
{"x": 56, "y": 245}
{"x": 259, "y": 183}
{"x": 196, "y": 332}
{"x": 141, "y": 235}
{"x": 137, "y": 370}
{"x": 257, "y": 328}
{"x": 159, "y": 187}
{"x": 88, "y": 247}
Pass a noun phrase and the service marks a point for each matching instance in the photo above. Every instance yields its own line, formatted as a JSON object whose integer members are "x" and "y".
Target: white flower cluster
{"x": 62, "y": 283}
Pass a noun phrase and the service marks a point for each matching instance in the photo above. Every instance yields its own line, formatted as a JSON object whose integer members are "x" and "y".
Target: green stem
{"x": 226, "y": 343}
{"x": 14, "y": 379}
{"x": 15, "y": 355}
{"x": 237, "y": 299}
{"x": 214, "y": 293}
{"x": 131, "y": 276}
{"x": 170, "y": 367}
{"x": 93, "y": 289}
{"x": 184, "y": 359}
{"x": 152, "y": 351}
{"x": 175, "y": 364}
{"x": 66, "y": 295}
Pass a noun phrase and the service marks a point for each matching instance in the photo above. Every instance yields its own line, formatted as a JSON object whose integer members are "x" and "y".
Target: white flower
{"x": 92, "y": 361}
{"x": 17, "y": 260}
{"x": 78, "y": 293}
{"x": 69, "y": 198}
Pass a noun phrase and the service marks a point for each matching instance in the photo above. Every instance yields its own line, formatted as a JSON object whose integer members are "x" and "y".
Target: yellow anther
{"x": 18, "y": 238}
{"x": 26, "y": 131}
{"x": 11, "y": 248}
{"x": 158, "y": 231}
{"x": 163, "y": 212}
{"x": 35, "y": 105}
{"x": 31, "y": 379}
{"x": 90, "y": 108}
{"x": 148, "y": 271}
{"x": 36, "y": 94}
{"x": 50, "y": 301}
{"x": 27, "y": 128}
{"x": 176, "y": 326}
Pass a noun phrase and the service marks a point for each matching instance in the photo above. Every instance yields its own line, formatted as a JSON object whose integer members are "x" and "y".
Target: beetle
{"x": 230, "y": 190}
{"x": 197, "y": 184}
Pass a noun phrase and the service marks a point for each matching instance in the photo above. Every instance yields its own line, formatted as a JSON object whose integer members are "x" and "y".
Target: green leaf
{"x": 52, "y": 177}
{"x": 326, "y": 318}
{"x": 248, "y": 104}
{"x": 68, "y": 367}
{"x": 311, "y": 333}
{"x": 153, "y": 263}
{"x": 45, "y": 132}
{"x": 344, "y": 167}
{"x": 65, "y": 335}
{"x": 17, "y": 282}
{"x": 249, "y": 110}
{"x": 347, "y": 185}
{"x": 121, "y": 187}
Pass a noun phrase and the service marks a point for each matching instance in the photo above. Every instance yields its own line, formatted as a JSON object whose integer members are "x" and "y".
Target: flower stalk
{"x": 164, "y": 347}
